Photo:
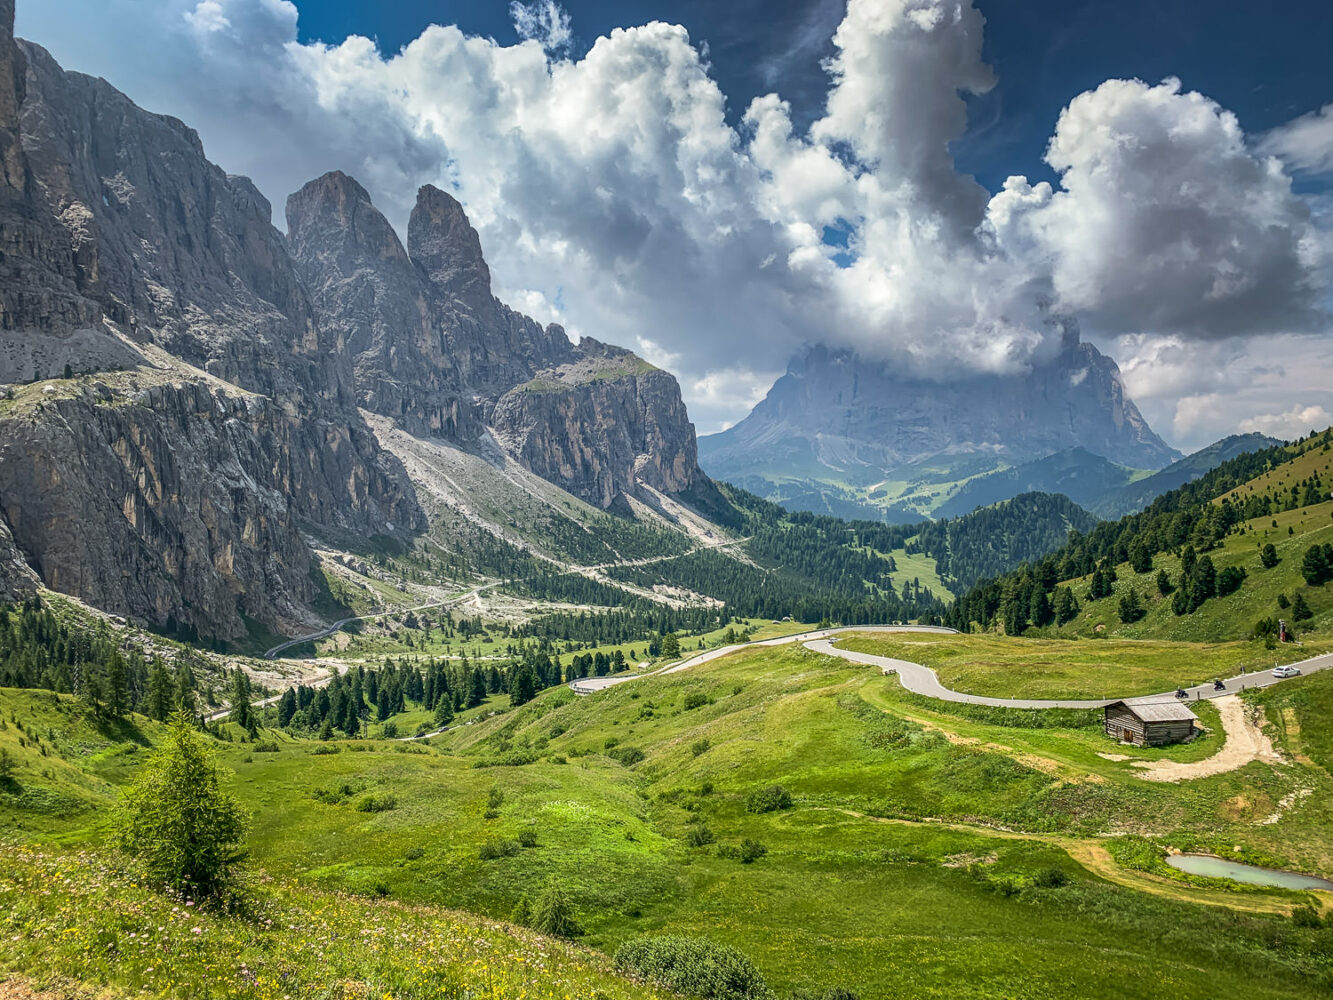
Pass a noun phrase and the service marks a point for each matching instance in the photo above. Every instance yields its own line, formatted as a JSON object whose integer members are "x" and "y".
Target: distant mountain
{"x": 436, "y": 352}
{"x": 837, "y": 430}
{"x": 1104, "y": 488}
{"x": 1076, "y": 473}
{"x": 1138, "y": 494}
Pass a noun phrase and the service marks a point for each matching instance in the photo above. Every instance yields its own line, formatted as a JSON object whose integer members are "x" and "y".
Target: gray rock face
{"x": 368, "y": 292}
{"x": 835, "y": 412}
{"x": 164, "y": 493}
{"x": 436, "y": 351}
{"x": 599, "y": 424}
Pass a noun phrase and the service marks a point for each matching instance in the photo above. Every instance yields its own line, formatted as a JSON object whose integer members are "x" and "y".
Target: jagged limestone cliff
{"x": 437, "y": 352}
{"x": 208, "y": 418}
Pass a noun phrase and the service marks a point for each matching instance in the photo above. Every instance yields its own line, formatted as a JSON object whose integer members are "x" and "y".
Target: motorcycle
{"x": 1218, "y": 685}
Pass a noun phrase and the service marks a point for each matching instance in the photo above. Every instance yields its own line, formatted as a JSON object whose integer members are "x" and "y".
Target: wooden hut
{"x": 1149, "y": 724}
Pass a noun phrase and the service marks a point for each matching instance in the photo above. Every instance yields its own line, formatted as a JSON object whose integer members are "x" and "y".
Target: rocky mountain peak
{"x": 447, "y": 249}
{"x": 335, "y": 212}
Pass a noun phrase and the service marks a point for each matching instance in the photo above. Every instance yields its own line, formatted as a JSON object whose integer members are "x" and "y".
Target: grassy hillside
{"x": 1228, "y": 517}
{"x": 1223, "y": 618}
{"x": 927, "y": 852}
{"x": 83, "y": 925}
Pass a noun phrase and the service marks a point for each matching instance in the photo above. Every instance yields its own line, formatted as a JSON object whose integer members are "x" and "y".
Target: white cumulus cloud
{"x": 611, "y": 192}
{"x": 1294, "y": 423}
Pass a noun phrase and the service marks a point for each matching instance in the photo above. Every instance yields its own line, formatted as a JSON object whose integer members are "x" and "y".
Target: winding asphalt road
{"x": 922, "y": 680}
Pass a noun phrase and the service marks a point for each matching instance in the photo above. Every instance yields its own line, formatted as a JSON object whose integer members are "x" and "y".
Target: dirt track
{"x": 1244, "y": 742}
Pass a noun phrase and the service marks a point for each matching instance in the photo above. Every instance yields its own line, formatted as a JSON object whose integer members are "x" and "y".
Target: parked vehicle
{"x": 1286, "y": 671}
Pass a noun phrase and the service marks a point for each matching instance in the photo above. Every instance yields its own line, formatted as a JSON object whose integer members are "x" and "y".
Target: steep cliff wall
{"x": 160, "y": 491}
{"x": 436, "y": 351}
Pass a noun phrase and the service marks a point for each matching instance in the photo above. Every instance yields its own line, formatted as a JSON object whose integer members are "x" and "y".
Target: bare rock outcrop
{"x": 175, "y": 490}
{"x": 437, "y": 352}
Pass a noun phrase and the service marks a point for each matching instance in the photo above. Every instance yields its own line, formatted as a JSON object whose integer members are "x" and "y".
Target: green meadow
{"x": 928, "y": 850}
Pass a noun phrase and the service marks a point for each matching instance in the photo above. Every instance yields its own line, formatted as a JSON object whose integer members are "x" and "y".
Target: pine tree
{"x": 1066, "y": 605}
{"x": 240, "y": 695}
{"x": 522, "y": 914}
{"x": 1268, "y": 556}
{"x": 287, "y": 707}
{"x": 184, "y": 828}
{"x": 444, "y": 711}
{"x": 161, "y": 689}
{"x": 554, "y": 913}
{"x": 1131, "y": 608}
{"x": 670, "y": 646}
{"x": 117, "y": 686}
{"x": 1300, "y": 610}
{"x": 522, "y": 684}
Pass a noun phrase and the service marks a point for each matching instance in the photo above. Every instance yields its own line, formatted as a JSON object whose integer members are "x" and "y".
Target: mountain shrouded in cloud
{"x": 613, "y": 194}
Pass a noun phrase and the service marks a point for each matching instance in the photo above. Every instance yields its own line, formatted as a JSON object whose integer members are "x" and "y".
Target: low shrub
{"x": 527, "y": 837}
{"x": 695, "y": 699}
{"x": 628, "y": 756}
{"x": 266, "y": 747}
{"x": 1050, "y": 878}
{"x": 500, "y": 847}
{"x": 770, "y": 799}
{"x": 373, "y": 803}
{"x": 746, "y": 852}
{"x": 326, "y": 748}
{"x": 700, "y": 836}
{"x": 701, "y": 746}
{"x": 693, "y": 967}
{"x": 414, "y": 853}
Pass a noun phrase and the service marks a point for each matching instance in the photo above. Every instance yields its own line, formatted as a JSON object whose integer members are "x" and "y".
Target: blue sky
{"x": 1267, "y": 67}
{"x": 640, "y": 187}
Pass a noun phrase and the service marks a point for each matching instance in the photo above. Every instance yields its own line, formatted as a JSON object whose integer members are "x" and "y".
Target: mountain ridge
{"x": 833, "y": 419}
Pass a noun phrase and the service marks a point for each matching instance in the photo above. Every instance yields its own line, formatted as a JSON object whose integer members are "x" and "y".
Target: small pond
{"x": 1206, "y": 864}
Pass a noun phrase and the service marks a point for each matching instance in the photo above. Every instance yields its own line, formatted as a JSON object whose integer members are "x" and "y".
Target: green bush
{"x": 628, "y": 756}
{"x": 373, "y": 803}
{"x": 693, "y": 967}
{"x": 267, "y": 747}
{"x": 747, "y": 852}
{"x": 699, "y": 836}
{"x": 500, "y": 847}
{"x": 770, "y": 799}
{"x": 1050, "y": 878}
{"x": 701, "y": 746}
{"x": 527, "y": 837}
{"x": 326, "y": 748}
{"x": 1306, "y": 916}
{"x": 695, "y": 699}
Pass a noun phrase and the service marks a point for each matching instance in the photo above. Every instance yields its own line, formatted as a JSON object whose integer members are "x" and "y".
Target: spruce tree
{"x": 554, "y": 913}
{"x": 178, "y": 820}
{"x": 1300, "y": 610}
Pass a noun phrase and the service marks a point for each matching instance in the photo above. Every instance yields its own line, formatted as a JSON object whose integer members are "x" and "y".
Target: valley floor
{"x": 931, "y": 848}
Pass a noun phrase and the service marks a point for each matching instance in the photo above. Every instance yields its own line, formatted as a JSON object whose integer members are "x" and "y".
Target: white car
{"x": 1286, "y": 671}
